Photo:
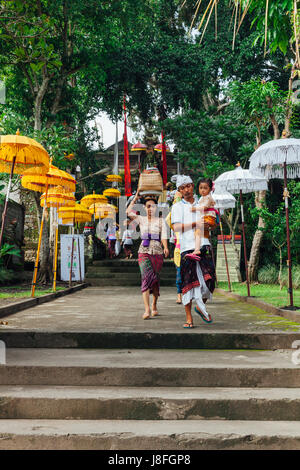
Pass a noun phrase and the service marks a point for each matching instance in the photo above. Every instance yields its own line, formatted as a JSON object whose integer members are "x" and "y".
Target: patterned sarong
{"x": 150, "y": 267}
{"x": 189, "y": 276}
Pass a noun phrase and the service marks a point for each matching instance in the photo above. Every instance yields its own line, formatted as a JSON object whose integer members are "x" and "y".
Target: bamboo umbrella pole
{"x": 225, "y": 256}
{"x": 213, "y": 257}
{"x": 289, "y": 260}
{"x": 39, "y": 245}
{"x": 55, "y": 254}
{"x": 80, "y": 277}
{"x": 244, "y": 242}
{"x": 6, "y": 199}
{"x": 72, "y": 252}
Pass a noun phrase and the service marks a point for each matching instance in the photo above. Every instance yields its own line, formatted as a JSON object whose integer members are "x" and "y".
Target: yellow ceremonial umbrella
{"x": 36, "y": 181}
{"x": 57, "y": 197}
{"x": 75, "y": 214}
{"x": 90, "y": 199}
{"x": 16, "y": 154}
{"x": 103, "y": 210}
{"x": 112, "y": 192}
{"x": 114, "y": 178}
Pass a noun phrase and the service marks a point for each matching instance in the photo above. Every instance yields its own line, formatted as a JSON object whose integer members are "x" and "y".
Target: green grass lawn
{"x": 266, "y": 292}
{"x": 24, "y": 293}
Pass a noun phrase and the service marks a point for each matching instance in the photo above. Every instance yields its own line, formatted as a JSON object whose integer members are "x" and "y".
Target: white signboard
{"x": 66, "y": 251}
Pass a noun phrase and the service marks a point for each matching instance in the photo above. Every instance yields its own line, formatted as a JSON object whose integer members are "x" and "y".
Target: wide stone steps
{"x": 150, "y": 368}
{"x": 150, "y": 435}
{"x": 125, "y": 273}
{"x": 149, "y": 403}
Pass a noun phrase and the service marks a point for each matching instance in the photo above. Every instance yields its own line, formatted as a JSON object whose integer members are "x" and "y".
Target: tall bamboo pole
{"x": 4, "y": 213}
{"x": 72, "y": 251}
{"x": 225, "y": 255}
{"x": 55, "y": 254}
{"x": 244, "y": 242}
{"x": 39, "y": 245}
{"x": 289, "y": 260}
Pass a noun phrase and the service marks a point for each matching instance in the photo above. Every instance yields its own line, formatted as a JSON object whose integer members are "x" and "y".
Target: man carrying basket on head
{"x": 197, "y": 277}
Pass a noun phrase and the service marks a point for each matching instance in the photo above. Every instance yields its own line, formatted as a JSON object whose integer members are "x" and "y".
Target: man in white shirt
{"x": 198, "y": 278}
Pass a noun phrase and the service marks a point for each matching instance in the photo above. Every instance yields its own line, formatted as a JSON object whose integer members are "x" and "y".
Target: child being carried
{"x": 207, "y": 213}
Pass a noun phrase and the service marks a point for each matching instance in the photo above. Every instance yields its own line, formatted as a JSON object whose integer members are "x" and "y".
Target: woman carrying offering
{"x": 153, "y": 248}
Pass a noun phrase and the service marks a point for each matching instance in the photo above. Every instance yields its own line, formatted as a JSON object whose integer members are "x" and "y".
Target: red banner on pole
{"x": 127, "y": 174}
{"x": 164, "y": 159}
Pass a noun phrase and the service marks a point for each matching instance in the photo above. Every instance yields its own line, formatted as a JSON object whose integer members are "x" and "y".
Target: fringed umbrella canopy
{"x": 114, "y": 178}
{"x": 34, "y": 180}
{"x": 103, "y": 210}
{"x": 270, "y": 157}
{"x": 241, "y": 180}
{"x": 86, "y": 201}
{"x": 16, "y": 154}
{"x": 27, "y": 152}
{"x": 223, "y": 199}
{"x": 111, "y": 192}
{"x": 138, "y": 147}
{"x": 158, "y": 148}
{"x": 74, "y": 214}
{"x": 58, "y": 197}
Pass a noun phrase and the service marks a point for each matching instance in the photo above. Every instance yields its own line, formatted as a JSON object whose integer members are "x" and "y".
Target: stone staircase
{"x": 125, "y": 273}
{"x": 157, "y": 399}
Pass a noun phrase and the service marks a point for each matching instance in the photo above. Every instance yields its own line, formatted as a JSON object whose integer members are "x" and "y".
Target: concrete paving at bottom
{"x": 152, "y": 435}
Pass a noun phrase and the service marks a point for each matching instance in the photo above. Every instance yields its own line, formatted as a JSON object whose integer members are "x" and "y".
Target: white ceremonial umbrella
{"x": 280, "y": 158}
{"x": 242, "y": 181}
{"x": 224, "y": 200}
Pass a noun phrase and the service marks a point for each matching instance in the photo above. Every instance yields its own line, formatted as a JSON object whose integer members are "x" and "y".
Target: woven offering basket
{"x": 150, "y": 180}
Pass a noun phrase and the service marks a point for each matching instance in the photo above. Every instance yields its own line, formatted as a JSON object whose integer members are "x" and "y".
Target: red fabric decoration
{"x": 164, "y": 159}
{"x": 127, "y": 174}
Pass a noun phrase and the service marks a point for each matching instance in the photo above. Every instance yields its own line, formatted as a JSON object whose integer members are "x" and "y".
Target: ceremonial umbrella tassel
{"x": 224, "y": 200}
{"x": 18, "y": 153}
{"x": 34, "y": 180}
{"x": 241, "y": 181}
{"x": 90, "y": 199}
{"x": 75, "y": 214}
{"x": 280, "y": 158}
{"x": 57, "y": 197}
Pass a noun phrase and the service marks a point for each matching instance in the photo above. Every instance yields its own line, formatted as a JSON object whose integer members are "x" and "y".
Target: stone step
{"x": 160, "y": 403}
{"x": 148, "y": 435}
{"x": 125, "y": 262}
{"x": 127, "y": 276}
{"x": 120, "y": 269}
{"x": 150, "y": 339}
{"x": 150, "y": 368}
{"x": 110, "y": 281}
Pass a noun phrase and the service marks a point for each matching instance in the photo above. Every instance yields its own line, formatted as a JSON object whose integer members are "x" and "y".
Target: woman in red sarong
{"x": 153, "y": 248}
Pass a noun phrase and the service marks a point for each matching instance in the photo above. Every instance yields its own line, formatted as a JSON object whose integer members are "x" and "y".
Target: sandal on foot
{"x": 188, "y": 325}
{"x": 146, "y": 316}
{"x": 193, "y": 257}
{"x": 204, "y": 318}
{"x": 154, "y": 313}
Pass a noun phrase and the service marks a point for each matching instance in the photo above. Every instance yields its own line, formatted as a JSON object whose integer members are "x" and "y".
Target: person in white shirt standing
{"x": 127, "y": 240}
{"x": 198, "y": 277}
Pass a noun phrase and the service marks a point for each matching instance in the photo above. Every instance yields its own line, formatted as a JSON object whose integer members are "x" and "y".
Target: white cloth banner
{"x": 66, "y": 252}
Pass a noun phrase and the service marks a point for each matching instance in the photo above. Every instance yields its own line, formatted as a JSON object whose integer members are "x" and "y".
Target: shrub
{"x": 268, "y": 274}
{"x": 295, "y": 276}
